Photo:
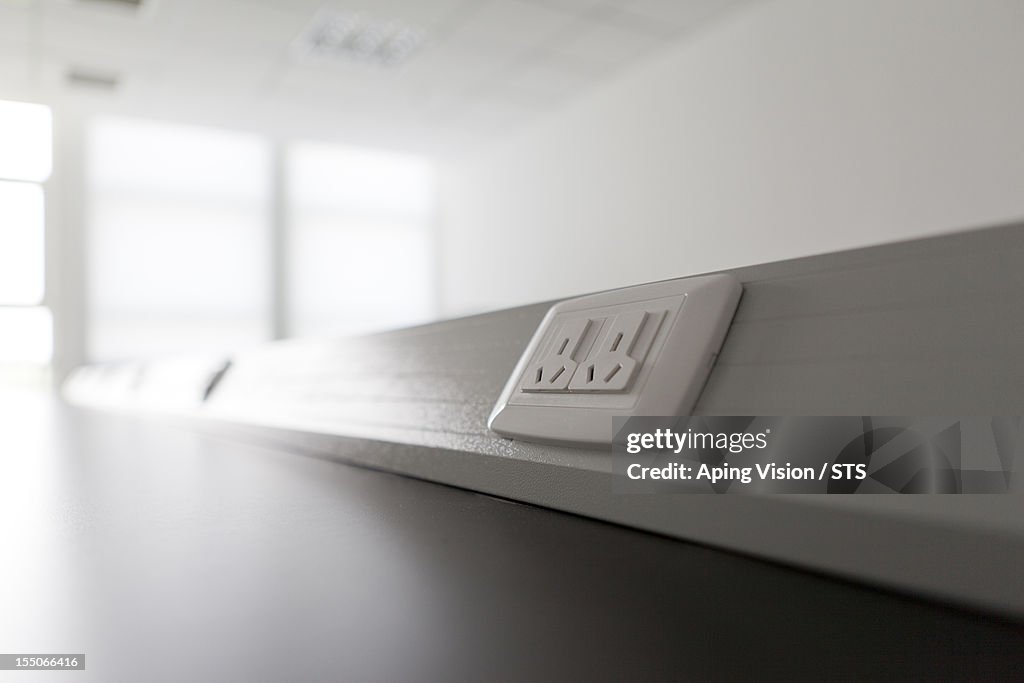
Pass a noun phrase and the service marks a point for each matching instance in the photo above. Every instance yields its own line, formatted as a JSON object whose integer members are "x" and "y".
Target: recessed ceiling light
{"x": 356, "y": 37}
{"x": 92, "y": 80}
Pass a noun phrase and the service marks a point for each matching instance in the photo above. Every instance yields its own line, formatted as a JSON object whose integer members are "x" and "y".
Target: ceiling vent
{"x": 91, "y": 80}
{"x": 355, "y": 37}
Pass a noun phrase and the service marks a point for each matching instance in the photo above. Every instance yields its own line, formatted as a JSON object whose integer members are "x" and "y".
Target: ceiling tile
{"x": 445, "y": 68}
{"x": 490, "y": 117}
{"x": 73, "y": 33}
{"x": 16, "y": 74}
{"x": 510, "y": 27}
{"x": 231, "y": 75}
{"x": 679, "y": 14}
{"x": 233, "y": 25}
{"x": 487, "y": 66}
{"x": 549, "y": 78}
{"x": 443, "y": 107}
{"x": 428, "y": 15}
{"x": 334, "y": 81}
{"x": 306, "y": 7}
{"x": 608, "y": 45}
{"x": 15, "y": 26}
{"x": 575, "y": 6}
{"x": 505, "y": 94}
{"x": 616, "y": 15}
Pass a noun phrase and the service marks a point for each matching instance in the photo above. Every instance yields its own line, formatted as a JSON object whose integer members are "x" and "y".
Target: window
{"x": 22, "y": 244}
{"x": 182, "y": 222}
{"x": 179, "y": 239}
{"x": 26, "y": 141}
{"x": 360, "y": 238}
{"x": 26, "y": 337}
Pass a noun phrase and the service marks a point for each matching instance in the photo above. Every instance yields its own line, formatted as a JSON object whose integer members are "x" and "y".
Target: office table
{"x": 166, "y": 553}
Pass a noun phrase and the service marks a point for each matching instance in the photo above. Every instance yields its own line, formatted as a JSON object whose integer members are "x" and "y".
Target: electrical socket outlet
{"x": 556, "y": 367}
{"x": 614, "y": 363}
{"x": 643, "y": 350}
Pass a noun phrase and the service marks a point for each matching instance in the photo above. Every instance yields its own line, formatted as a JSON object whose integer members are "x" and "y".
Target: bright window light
{"x": 346, "y": 180}
{"x": 22, "y": 243}
{"x": 360, "y": 240}
{"x": 26, "y": 335}
{"x": 25, "y": 141}
{"x": 131, "y": 156}
{"x": 179, "y": 249}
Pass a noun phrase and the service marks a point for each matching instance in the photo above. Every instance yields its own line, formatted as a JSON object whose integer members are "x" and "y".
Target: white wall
{"x": 789, "y": 128}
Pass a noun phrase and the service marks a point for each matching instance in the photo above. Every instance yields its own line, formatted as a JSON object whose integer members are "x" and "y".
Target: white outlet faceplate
{"x": 643, "y": 350}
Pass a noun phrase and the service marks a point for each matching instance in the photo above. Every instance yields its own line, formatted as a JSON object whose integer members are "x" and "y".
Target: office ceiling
{"x": 485, "y": 67}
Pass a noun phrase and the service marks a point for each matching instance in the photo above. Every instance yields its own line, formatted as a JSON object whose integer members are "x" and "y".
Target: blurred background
{"x": 201, "y": 176}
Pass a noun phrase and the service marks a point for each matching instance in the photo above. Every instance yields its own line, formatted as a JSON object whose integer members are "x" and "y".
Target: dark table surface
{"x": 166, "y": 554}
